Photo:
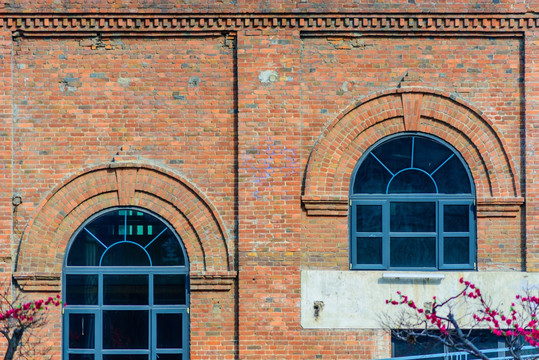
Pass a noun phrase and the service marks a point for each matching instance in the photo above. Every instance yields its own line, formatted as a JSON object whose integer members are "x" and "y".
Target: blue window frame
{"x": 412, "y": 207}
{"x": 126, "y": 288}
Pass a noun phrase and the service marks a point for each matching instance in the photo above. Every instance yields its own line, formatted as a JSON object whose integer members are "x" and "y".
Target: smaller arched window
{"x": 412, "y": 207}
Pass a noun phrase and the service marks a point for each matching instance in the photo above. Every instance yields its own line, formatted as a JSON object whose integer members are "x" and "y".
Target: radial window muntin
{"x": 145, "y": 293}
{"x": 409, "y": 193}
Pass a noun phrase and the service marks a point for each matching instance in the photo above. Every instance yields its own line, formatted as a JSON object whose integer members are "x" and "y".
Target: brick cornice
{"x": 158, "y": 23}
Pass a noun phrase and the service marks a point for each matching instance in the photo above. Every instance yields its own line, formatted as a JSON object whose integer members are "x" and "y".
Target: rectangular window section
{"x": 125, "y": 289}
{"x": 125, "y": 329}
{"x": 81, "y": 331}
{"x": 81, "y": 289}
{"x": 369, "y": 250}
{"x": 369, "y": 218}
{"x": 413, "y": 216}
{"x": 413, "y": 252}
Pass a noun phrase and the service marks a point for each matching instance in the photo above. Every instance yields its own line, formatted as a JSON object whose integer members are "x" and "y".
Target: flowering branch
{"x": 520, "y": 322}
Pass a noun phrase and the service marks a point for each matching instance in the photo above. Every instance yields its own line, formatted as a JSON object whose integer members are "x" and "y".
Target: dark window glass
{"x": 125, "y": 254}
{"x": 125, "y": 357}
{"x": 452, "y": 178}
{"x": 456, "y": 250}
{"x": 395, "y": 154}
{"x": 125, "y": 289}
{"x": 456, "y": 218}
{"x": 81, "y": 289}
{"x": 81, "y": 331}
{"x": 169, "y": 289}
{"x": 125, "y": 329}
{"x": 85, "y": 251}
{"x": 170, "y": 356}
{"x": 169, "y": 331}
{"x": 429, "y": 154}
{"x": 369, "y": 250}
{"x": 369, "y": 218}
{"x": 108, "y": 228}
{"x": 81, "y": 356}
{"x": 412, "y": 181}
{"x": 413, "y": 252}
{"x": 166, "y": 251}
{"x": 417, "y": 346}
{"x": 413, "y": 216}
{"x": 372, "y": 177}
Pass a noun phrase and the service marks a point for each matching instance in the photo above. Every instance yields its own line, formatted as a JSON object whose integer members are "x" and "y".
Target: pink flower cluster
{"x": 515, "y": 324}
{"x": 26, "y": 312}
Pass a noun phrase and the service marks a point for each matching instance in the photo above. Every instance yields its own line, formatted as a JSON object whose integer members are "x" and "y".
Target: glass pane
{"x": 81, "y": 356}
{"x": 81, "y": 289}
{"x": 452, "y": 178}
{"x": 395, "y": 154}
{"x": 125, "y": 357}
{"x": 371, "y": 177}
{"x": 170, "y": 356}
{"x": 413, "y": 217}
{"x": 429, "y": 154}
{"x": 369, "y": 218}
{"x": 169, "y": 289}
{"x": 456, "y": 218}
{"x": 169, "y": 331}
{"x": 369, "y": 250}
{"x": 138, "y": 230}
{"x": 125, "y": 329}
{"x": 85, "y": 251}
{"x": 413, "y": 252}
{"x": 125, "y": 289}
{"x": 165, "y": 250}
{"x": 418, "y": 346}
{"x": 81, "y": 331}
{"x": 125, "y": 254}
{"x": 456, "y": 250}
{"x": 108, "y": 227}
{"x": 412, "y": 182}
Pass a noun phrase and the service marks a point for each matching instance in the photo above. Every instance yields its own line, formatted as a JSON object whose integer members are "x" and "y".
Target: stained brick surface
{"x": 230, "y": 128}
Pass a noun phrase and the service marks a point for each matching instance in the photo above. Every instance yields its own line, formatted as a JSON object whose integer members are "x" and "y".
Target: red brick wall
{"x": 219, "y": 132}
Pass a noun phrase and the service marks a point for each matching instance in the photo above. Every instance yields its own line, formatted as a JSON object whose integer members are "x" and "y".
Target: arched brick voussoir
{"x": 329, "y": 166}
{"x": 159, "y": 190}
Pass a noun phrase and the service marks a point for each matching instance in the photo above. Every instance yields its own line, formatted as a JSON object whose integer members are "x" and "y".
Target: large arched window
{"x": 412, "y": 207}
{"x": 125, "y": 283}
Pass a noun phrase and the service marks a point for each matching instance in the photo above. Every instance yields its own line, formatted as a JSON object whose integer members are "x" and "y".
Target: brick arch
{"x": 165, "y": 193}
{"x": 345, "y": 139}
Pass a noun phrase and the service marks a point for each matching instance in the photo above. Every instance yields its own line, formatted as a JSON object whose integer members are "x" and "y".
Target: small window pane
{"x": 81, "y": 331}
{"x": 395, "y": 154}
{"x": 371, "y": 177}
{"x": 85, "y": 251}
{"x": 419, "y": 346}
{"x": 413, "y": 252}
{"x": 369, "y": 250}
{"x": 125, "y": 254}
{"x": 125, "y": 357}
{"x": 170, "y": 356}
{"x": 165, "y": 250}
{"x": 412, "y": 182}
{"x": 125, "y": 289}
{"x": 81, "y": 356}
{"x": 456, "y": 218}
{"x": 169, "y": 289}
{"x": 369, "y": 218}
{"x": 169, "y": 331}
{"x": 452, "y": 178}
{"x": 125, "y": 329}
{"x": 456, "y": 250}
{"x": 413, "y": 217}
{"x": 81, "y": 289}
{"x": 429, "y": 154}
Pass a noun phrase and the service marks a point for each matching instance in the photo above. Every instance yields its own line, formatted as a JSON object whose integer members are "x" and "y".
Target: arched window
{"x": 412, "y": 207}
{"x": 125, "y": 283}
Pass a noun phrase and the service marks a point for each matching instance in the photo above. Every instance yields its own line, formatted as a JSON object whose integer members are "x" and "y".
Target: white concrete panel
{"x": 356, "y": 299}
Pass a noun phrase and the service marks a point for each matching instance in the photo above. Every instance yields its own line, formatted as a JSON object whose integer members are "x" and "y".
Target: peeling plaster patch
{"x": 194, "y": 81}
{"x": 268, "y": 76}
{"x": 124, "y": 81}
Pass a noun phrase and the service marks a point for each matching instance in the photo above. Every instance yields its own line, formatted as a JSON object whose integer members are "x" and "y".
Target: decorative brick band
{"x": 499, "y": 207}
{"x": 232, "y": 22}
{"x": 38, "y": 282}
{"x": 212, "y": 281}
